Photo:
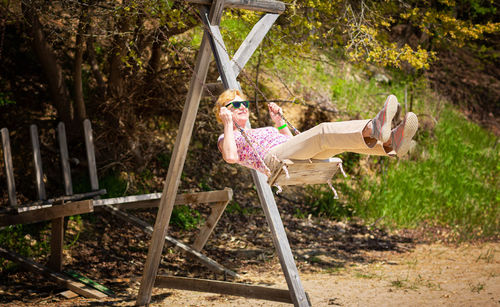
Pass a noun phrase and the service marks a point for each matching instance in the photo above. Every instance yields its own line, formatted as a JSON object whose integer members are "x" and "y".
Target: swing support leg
{"x": 266, "y": 197}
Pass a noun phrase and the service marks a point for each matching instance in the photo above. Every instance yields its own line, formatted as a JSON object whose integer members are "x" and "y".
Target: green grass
{"x": 453, "y": 181}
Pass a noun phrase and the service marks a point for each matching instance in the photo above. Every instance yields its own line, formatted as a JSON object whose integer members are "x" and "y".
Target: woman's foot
{"x": 401, "y": 135}
{"x": 381, "y": 124}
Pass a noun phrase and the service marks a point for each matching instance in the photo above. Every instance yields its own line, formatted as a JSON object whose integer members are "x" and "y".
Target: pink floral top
{"x": 263, "y": 139}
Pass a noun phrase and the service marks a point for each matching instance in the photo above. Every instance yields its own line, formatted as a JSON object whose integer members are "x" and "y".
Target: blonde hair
{"x": 225, "y": 98}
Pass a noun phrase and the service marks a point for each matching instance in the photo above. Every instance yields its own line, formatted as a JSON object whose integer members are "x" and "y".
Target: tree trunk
{"x": 53, "y": 71}
{"x": 81, "y": 113}
{"x": 94, "y": 66}
{"x": 115, "y": 83}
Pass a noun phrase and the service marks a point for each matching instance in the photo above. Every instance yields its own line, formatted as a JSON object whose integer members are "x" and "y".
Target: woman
{"x": 269, "y": 144}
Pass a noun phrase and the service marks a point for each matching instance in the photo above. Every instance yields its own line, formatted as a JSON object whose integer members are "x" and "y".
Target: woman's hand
{"x": 274, "y": 112}
{"x": 226, "y": 116}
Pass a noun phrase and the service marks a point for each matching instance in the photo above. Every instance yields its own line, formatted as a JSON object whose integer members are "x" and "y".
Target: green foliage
{"x": 454, "y": 182}
{"x": 5, "y": 99}
{"x": 185, "y": 217}
{"x": 29, "y": 240}
{"x": 321, "y": 202}
{"x": 114, "y": 184}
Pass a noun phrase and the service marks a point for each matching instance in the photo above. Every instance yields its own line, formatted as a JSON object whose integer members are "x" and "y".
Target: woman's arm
{"x": 274, "y": 112}
{"x": 227, "y": 145}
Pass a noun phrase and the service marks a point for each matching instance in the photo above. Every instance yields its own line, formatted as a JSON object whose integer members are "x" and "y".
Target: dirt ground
{"x": 340, "y": 264}
{"x": 429, "y": 275}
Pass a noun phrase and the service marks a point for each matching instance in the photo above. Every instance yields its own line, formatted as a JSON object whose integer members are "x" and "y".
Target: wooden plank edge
{"x": 61, "y": 279}
{"x": 223, "y": 287}
{"x": 152, "y": 200}
{"x": 45, "y": 214}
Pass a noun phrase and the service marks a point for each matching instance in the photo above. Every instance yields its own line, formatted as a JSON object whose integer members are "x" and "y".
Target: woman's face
{"x": 241, "y": 114}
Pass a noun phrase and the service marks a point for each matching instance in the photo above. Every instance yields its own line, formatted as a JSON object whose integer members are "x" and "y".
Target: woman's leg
{"x": 327, "y": 140}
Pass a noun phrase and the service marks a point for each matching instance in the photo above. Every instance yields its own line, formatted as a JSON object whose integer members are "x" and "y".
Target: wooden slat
{"x": 175, "y": 168}
{"x": 251, "y": 42}
{"x": 37, "y": 159}
{"x": 45, "y": 214}
{"x": 152, "y": 200}
{"x": 304, "y": 172}
{"x": 252, "y": 5}
{"x": 209, "y": 263}
{"x": 89, "y": 145}
{"x": 59, "y": 278}
{"x": 63, "y": 149}
{"x": 9, "y": 168}
{"x": 223, "y": 287}
{"x": 207, "y": 228}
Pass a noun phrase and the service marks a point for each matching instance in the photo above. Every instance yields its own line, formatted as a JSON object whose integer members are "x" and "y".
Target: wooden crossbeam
{"x": 223, "y": 287}
{"x": 61, "y": 279}
{"x": 45, "y": 214}
{"x": 153, "y": 200}
{"x": 55, "y": 201}
{"x": 268, "y": 6}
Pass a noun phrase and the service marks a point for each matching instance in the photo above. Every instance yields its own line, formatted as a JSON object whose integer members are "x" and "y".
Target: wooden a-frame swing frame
{"x": 211, "y": 13}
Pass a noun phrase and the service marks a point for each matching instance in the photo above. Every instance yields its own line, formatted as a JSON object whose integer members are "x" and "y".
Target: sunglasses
{"x": 237, "y": 104}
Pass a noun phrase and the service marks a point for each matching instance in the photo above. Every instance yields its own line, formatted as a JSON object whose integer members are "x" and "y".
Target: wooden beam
{"x": 175, "y": 168}
{"x": 251, "y": 42}
{"x": 267, "y": 6}
{"x": 266, "y": 196}
{"x": 89, "y": 145}
{"x": 45, "y": 214}
{"x": 223, "y": 287}
{"x": 54, "y": 201}
{"x": 220, "y": 52}
{"x": 9, "y": 169}
{"x": 59, "y": 278}
{"x": 280, "y": 240}
{"x": 209, "y": 263}
{"x": 37, "y": 159}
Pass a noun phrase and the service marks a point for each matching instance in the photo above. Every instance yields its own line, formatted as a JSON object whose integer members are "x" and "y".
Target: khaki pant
{"x": 327, "y": 140}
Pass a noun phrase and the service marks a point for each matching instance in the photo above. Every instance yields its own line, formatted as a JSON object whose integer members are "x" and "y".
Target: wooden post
{"x": 9, "y": 169}
{"x": 57, "y": 231}
{"x": 177, "y": 162}
{"x": 266, "y": 197}
{"x": 89, "y": 145}
{"x": 37, "y": 159}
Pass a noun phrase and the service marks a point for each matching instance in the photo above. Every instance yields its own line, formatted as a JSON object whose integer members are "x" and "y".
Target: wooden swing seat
{"x": 304, "y": 172}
